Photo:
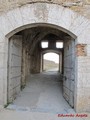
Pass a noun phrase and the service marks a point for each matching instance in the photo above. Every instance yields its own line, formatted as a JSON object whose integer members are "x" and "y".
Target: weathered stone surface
{"x": 80, "y": 6}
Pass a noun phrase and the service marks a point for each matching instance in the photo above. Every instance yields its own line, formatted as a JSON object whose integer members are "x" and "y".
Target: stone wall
{"x": 80, "y": 6}
{"x": 35, "y": 62}
{"x": 31, "y": 53}
{"x": 25, "y": 66}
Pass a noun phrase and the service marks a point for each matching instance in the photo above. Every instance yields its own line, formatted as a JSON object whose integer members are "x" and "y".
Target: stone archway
{"x": 64, "y": 19}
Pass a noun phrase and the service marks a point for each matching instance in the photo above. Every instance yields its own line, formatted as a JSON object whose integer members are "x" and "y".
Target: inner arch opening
{"x": 51, "y": 62}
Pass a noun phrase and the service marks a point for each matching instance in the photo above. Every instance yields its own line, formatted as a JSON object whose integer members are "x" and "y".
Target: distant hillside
{"x": 48, "y": 65}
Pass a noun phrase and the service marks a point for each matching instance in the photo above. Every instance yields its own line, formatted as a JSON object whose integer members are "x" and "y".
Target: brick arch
{"x": 62, "y": 18}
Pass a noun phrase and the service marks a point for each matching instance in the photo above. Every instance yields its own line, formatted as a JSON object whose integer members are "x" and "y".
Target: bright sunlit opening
{"x": 59, "y": 44}
{"x": 51, "y": 62}
{"x": 44, "y": 44}
{"x": 52, "y": 57}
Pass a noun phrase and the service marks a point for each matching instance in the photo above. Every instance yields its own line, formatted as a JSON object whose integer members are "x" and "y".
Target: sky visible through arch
{"x": 52, "y": 57}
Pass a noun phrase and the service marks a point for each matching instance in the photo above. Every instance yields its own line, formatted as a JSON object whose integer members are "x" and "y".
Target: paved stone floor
{"x": 43, "y": 93}
{"x": 41, "y": 99}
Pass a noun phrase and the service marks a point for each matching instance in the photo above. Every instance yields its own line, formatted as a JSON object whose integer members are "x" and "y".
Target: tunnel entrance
{"x": 26, "y": 62}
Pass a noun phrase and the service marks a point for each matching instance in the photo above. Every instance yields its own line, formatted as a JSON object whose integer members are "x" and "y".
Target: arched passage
{"x": 25, "y": 52}
{"x": 55, "y": 16}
